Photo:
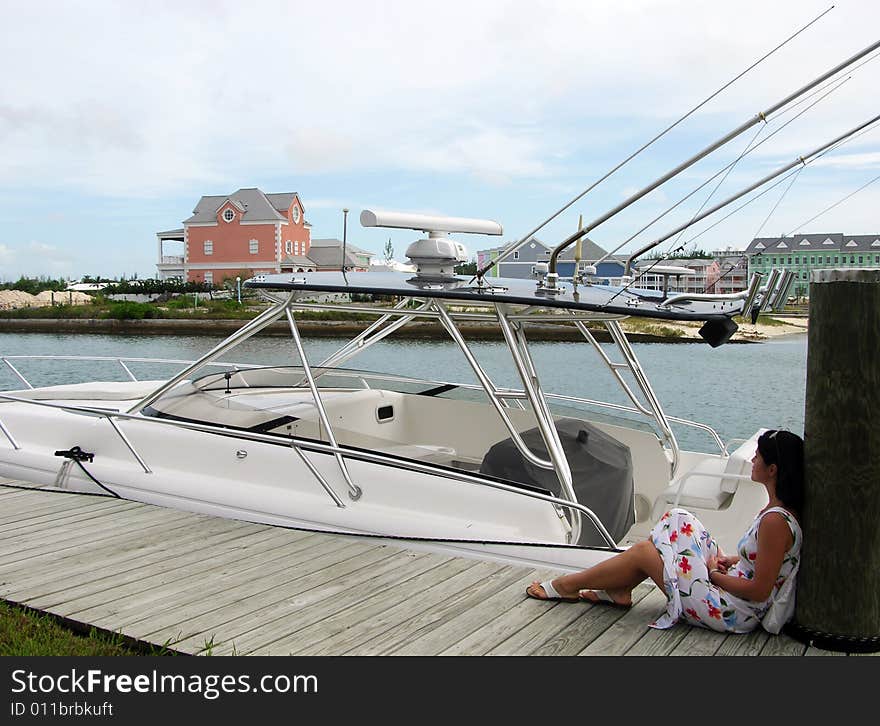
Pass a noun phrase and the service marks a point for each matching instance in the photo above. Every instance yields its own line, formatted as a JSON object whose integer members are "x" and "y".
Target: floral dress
{"x": 685, "y": 547}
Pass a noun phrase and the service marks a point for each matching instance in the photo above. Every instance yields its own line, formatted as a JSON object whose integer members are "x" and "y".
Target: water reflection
{"x": 736, "y": 388}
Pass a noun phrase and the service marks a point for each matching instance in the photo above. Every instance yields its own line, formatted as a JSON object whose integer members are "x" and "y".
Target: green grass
{"x": 27, "y": 632}
{"x": 649, "y": 326}
{"x": 206, "y": 310}
{"x": 762, "y": 320}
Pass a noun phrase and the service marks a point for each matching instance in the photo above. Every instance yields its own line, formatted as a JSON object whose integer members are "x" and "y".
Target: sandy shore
{"x": 657, "y": 332}
{"x": 747, "y": 331}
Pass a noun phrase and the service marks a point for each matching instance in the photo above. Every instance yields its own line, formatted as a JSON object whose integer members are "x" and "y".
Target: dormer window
{"x": 228, "y": 215}
{"x": 294, "y": 213}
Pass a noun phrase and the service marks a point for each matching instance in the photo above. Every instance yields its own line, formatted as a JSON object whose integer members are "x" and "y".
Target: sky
{"x": 116, "y": 117}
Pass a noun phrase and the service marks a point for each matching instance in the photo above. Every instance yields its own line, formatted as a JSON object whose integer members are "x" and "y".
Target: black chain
{"x": 832, "y": 641}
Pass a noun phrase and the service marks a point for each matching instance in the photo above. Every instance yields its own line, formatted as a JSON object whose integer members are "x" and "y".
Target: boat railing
{"x": 505, "y": 394}
{"x": 300, "y": 446}
{"x": 7, "y": 360}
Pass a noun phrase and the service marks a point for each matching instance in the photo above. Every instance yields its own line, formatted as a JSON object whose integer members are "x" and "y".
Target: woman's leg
{"x": 617, "y": 576}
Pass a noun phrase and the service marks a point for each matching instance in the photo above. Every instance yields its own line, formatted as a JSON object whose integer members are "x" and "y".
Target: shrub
{"x": 130, "y": 311}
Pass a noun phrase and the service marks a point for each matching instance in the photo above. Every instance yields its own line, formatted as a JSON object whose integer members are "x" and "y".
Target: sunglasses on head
{"x": 772, "y": 435}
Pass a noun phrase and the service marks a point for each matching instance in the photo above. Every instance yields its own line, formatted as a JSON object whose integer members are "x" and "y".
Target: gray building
{"x": 804, "y": 253}
{"x": 326, "y": 254}
{"x": 521, "y": 264}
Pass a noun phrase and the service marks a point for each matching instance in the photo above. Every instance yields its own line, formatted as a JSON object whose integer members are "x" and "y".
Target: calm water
{"x": 736, "y": 388}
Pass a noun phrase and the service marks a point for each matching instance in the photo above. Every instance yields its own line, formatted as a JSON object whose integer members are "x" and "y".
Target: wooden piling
{"x": 838, "y": 590}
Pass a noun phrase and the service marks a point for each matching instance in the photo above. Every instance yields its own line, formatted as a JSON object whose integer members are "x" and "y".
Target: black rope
{"x": 832, "y": 641}
{"x": 76, "y": 454}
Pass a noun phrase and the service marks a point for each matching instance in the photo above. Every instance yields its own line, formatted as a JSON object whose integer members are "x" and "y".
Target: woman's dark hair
{"x": 786, "y": 450}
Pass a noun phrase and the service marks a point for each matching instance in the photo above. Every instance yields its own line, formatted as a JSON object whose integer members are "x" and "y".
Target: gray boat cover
{"x": 601, "y": 469}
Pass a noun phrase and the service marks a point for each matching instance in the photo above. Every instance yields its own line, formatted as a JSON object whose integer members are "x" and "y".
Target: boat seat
{"x": 93, "y": 391}
{"x": 422, "y": 452}
{"x": 715, "y": 484}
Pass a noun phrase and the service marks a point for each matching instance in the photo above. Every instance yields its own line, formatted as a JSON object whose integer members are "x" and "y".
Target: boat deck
{"x": 197, "y": 584}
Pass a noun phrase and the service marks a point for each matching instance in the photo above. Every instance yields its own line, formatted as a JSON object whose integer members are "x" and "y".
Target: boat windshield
{"x": 253, "y": 388}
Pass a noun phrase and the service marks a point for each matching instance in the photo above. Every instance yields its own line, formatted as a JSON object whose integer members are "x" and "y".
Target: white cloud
{"x": 7, "y": 255}
{"x": 113, "y": 99}
{"x": 501, "y": 108}
{"x": 868, "y": 160}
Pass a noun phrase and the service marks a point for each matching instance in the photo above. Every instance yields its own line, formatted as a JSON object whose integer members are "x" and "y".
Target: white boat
{"x": 513, "y": 473}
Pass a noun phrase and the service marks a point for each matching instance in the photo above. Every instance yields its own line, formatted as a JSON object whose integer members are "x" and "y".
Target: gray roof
{"x": 835, "y": 241}
{"x": 859, "y": 242}
{"x": 332, "y": 242}
{"x": 297, "y": 260}
{"x": 677, "y": 261}
{"x": 332, "y": 257}
{"x": 590, "y": 251}
{"x": 255, "y": 205}
{"x": 281, "y": 201}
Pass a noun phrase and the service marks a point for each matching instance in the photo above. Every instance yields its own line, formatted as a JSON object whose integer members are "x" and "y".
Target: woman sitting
{"x": 703, "y": 586}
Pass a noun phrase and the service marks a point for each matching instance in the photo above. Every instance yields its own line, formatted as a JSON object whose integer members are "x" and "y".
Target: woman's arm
{"x": 725, "y": 562}
{"x": 774, "y": 540}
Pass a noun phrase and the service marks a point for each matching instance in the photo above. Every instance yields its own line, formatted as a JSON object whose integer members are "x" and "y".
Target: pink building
{"x": 240, "y": 235}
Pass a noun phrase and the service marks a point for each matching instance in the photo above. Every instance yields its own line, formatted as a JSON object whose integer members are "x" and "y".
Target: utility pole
{"x": 344, "y": 235}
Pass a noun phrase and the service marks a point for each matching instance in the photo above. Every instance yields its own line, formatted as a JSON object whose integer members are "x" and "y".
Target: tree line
{"x": 35, "y": 285}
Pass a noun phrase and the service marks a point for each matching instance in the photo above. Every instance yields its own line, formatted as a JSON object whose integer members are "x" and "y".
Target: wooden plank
{"x": 33, "y": 499}
{"x": 699, "y": 642}
{"x": 252, "y": 573}
{"x": 150, "y": 584}
{"x": 268, "y": 602}
{"x": 782, "y": 645}
{"x": 535, "y": 634}
{"x": 89, "y": 559}
{"x": 368, "y": 607}
{"x": 237, "y": 587}
{"x": 813, "y": 652}
{"x": 583, "y": 631}
{"x": 374, "y": 616}
{"x": 105, "y": 525}
{"x": 92, "y": 559}
{"x": 10, "y": 490}
{"x": 460, "y": 601}
{"x": 447, "y": 634}
{"x": 193, "y": 581}
{"x": 509, "y": 622}
{"x": 117, "y": 539}
{"x": 744, "y": 643}
{"x": 659, "y": 642}
{"x": 624, "y": 633}
{"x": 95, "y": 588}
{"x": 328, "y": 594}
{"x": 31, "y": 512}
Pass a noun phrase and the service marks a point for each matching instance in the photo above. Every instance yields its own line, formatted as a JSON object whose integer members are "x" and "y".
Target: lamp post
{"x": 238, "y": 289}
{"x": 344, "y": 235}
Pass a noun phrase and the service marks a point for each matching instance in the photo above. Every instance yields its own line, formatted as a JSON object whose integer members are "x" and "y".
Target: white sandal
{"x": 551, "y": 593}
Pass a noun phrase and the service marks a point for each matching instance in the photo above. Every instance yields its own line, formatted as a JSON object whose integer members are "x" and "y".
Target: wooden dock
{"x": 199, "y": 585}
